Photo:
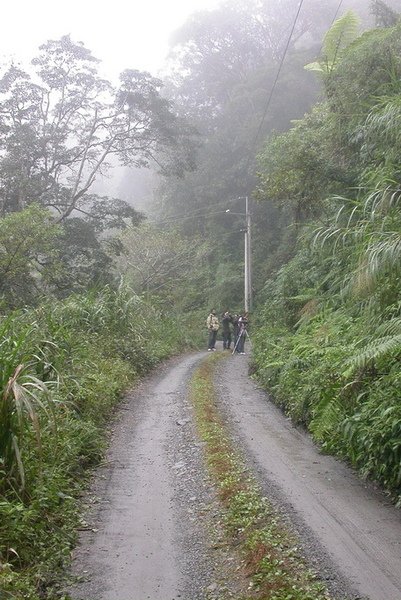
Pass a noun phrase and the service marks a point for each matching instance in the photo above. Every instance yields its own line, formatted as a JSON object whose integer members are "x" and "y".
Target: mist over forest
{"x": 123, "y": 209}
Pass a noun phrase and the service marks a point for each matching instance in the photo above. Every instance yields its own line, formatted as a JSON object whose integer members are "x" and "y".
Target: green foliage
{"x": 372, "y": 435}
{"x": 63, "y": 368}
{"x": 340, "y": 35}
{"x": 300, "y": 167}
{"x": 28, "y": 257}
{"x": 61, "y": 125}
{"x": 329, "y": 344}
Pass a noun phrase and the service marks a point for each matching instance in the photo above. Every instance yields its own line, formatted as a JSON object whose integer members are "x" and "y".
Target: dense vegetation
{"x": 73, "y": 334}
{"x": 63, "y": 367}
{"x": 326, "y": 243}
{"x": 328, "y": 346}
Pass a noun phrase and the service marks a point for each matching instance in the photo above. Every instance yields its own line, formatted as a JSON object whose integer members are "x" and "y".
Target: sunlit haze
{"x": 122, "y": 34}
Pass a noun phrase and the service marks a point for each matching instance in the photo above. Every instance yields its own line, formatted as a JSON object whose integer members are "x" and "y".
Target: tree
{"x": 299, "y": 168}
{"x": 28, "y": 255}
{"x": 385, "y": 16}
{"x": 340, "y": 35}
{"x": 162, "y": 263}
{"x": 61, "y": 127}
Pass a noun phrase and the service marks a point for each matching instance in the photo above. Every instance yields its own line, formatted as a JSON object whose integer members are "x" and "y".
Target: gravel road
{"x": 349, "y": 529}
{"x": 153, "y": 526}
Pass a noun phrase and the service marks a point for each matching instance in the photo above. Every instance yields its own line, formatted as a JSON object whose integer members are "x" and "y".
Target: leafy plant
{"x": 65, "y": 362}
{"x": 340, "y": 35}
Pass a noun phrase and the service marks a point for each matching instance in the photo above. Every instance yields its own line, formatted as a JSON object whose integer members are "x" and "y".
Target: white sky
{"x": 121, "y": 33}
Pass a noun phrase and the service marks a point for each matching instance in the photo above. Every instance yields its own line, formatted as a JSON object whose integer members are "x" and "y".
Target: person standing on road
{"x": 226, "y": 321}
{"x": 242, "y": 331}
{"x": 235, "y": 328}
{"x": 212, "y": 324}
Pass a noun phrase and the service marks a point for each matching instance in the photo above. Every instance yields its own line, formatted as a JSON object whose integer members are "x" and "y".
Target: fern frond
{"x": 375, "y": 350}
{"x": 340, "y": 35}
{"x": 329, "y": 413}
{"x": 390, "y": 328}
{"x": 384, "y": 255}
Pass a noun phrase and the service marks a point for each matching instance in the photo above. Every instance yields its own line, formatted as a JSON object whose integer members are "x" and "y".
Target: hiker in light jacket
{"x": 212, "y": 324}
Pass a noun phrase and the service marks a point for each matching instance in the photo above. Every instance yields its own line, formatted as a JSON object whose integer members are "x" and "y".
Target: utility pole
{"x": 248, "y": 259}
{"x": 248, "y": 255}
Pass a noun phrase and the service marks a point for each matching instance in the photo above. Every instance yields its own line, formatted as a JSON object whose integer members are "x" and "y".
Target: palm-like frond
{"x": 340, "y": 35}
{"x": 385, "y": 118}
{"x": 23, "y": 397}
{"x": 376, "y": 350}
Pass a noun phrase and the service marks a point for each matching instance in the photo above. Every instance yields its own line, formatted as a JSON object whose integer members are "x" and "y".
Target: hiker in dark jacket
{"x": 235, "y": 329}
{"x": 226, "y": 321}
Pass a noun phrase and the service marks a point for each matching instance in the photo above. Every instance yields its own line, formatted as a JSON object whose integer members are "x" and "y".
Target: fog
{"x": 122, "y": 34}
{"x": 140, "y": 35}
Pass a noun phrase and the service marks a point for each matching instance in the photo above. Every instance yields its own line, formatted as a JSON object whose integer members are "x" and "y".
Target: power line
{"x": 203, "y": 212}
{"x": 275, "y": 81}
{"x": 337, "y": 11}
{"x": 191, "y": 216}
{"x": 279, "y": 72}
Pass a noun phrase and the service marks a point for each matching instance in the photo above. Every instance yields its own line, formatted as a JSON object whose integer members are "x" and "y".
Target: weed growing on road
{"x": 271, "y": 558}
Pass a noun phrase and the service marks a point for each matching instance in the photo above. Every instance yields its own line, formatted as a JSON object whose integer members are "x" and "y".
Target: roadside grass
{"x": 63, "y": 368}
{"x": 272, "y": 560}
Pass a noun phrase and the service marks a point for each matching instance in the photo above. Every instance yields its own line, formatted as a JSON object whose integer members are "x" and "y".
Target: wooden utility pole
{"x": 248, "y": 259}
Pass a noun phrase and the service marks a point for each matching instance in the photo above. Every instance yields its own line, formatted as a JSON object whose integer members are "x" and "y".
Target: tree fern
{"x": 329, "y": 413}
{"x": 340, "y": 35}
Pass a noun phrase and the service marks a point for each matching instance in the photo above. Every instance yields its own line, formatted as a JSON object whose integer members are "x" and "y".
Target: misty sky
{"x": 123, "y": 34}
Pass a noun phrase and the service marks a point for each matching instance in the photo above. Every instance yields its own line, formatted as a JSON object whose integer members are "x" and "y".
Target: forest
{"x": 299, "y": 110}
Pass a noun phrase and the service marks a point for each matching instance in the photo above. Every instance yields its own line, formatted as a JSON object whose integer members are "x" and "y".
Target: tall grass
{"x": 63, "y": 367}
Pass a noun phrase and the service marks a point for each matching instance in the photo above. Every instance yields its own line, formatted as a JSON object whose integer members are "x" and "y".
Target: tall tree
{"x": 215, "y": 51}
{"x": 61, "y": 127}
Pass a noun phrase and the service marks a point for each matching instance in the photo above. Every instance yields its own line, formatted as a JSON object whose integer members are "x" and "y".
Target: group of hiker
{"x": 234, "y": 330}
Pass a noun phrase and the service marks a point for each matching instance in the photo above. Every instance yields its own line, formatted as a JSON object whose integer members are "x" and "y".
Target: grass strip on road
{"x": 272, "y": 560}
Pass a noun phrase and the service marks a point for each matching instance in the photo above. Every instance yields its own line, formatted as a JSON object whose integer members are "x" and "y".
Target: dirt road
{"x": 151, "y": 532}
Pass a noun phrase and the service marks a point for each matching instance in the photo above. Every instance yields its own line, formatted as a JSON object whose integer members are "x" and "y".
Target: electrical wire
{"x": 253, "y": 145}
{"x": 191, "y": 216}
{"x": 269, "y": 100}
{"x": 202, "y": 213}
{"x": 252, "y": 148}
{"x": 337, "y": 11}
